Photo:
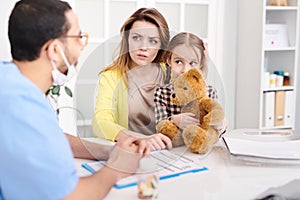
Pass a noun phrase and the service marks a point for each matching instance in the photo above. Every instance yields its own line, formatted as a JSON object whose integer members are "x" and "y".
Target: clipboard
{"x": 168, "y": 165}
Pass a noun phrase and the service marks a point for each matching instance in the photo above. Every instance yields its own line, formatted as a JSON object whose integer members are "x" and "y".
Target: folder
{"x": 289, "y": 108}
{"x": 269, "y": 103}
{"x": 279, "y": 108}
{"x": 168, "y": 165}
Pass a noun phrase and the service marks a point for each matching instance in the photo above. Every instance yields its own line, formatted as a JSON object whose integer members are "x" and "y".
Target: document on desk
{"x": 168, "y": 165}
{"x": 288, "y": 150}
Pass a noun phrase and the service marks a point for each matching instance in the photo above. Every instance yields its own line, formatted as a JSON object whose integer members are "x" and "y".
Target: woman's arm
{"x": 111, "y": 122}
{"x": 110, "y": 117}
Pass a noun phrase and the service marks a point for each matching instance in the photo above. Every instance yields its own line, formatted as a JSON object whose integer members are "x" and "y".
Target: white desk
{"x": 226, "y": 178}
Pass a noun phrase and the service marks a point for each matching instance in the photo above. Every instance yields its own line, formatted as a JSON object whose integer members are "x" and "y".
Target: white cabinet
{"x": 268, "y": 40}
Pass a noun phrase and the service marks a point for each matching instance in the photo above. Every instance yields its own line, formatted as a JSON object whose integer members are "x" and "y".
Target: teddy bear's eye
{"x": 185, "y": 88}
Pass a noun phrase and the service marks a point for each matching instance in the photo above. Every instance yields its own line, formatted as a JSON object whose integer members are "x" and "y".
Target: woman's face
{"x": 184, "y": 58}
{"x": 144, "y": 43}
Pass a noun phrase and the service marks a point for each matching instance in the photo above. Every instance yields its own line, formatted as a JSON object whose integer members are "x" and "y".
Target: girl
{"x": 185, "y": 51}
{"x": 124, "y": 105}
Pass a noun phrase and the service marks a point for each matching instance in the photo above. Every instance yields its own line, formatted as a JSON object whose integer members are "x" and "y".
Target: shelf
{"x": 285, "y": 88}
{"x": 280, "y": 49}
{"x": 281, "y": 8}
{"x": 276, "y": 127}
{"x": 257, "y": 57}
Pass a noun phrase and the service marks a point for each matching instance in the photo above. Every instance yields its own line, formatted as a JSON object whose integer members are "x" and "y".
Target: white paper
{"x": 267, "y": 149}
{"x": 167, "y": 165}
{"x": 276, "y": 36}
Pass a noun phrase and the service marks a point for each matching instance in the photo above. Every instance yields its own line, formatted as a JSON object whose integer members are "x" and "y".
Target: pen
{"x": 87, "y": 167}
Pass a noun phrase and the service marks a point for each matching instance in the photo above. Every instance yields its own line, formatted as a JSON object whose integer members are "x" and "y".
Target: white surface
{"x": 226, "y": 178}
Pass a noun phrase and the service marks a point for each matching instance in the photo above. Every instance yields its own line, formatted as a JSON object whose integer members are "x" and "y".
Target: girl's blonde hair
{"x": 123, "y": 61}
{"x": 192, "y": 41}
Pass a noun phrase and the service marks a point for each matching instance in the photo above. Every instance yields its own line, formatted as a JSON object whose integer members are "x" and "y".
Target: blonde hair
{"x": 192, "y": 41}
{"x": 122, "y": 63}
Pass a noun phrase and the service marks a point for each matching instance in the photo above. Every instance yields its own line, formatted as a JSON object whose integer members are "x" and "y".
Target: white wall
{"x": 5, "y": 10}
{"x": 5, "y": 55}
{"x": 225, "y": 51}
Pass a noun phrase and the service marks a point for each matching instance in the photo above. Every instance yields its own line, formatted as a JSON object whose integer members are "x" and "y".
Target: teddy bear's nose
{"x": 173, "y": 95}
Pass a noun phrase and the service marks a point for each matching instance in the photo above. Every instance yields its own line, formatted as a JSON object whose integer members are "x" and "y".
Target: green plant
{"x": 54, "y": 92}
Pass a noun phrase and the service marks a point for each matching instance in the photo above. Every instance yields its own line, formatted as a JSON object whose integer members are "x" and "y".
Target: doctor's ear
{"x": 52, "y": 50}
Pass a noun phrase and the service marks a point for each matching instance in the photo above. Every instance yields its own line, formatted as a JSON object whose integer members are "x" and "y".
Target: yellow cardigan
{"x": 111, "y": 109}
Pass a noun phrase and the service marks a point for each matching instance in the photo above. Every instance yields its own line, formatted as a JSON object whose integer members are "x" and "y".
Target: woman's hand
{"x": 184, "y": 120}
{"x": 158, "y": 141}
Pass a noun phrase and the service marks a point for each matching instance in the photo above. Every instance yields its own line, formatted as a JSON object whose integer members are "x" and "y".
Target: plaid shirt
{"x": 164, "y": 107}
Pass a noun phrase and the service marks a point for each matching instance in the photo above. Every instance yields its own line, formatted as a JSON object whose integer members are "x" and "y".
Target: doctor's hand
{"x": 184, "y": 120}
{"x": 126, "y": 155}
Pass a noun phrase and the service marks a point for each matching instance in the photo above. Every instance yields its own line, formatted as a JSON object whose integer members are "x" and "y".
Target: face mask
{"x": 58, "y": 77}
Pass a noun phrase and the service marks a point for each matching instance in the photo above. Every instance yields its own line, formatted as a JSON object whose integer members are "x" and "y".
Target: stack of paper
{"x": 289, "y": 150}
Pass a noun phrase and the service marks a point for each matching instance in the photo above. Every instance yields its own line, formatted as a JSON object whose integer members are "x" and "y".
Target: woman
{"x": 124, "y": 105}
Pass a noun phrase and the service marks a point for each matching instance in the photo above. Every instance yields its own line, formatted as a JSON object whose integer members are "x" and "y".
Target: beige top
{"x": 142, "y": 82}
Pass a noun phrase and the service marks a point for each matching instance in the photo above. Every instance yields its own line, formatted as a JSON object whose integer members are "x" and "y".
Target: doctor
{"x": 36, "y": 158}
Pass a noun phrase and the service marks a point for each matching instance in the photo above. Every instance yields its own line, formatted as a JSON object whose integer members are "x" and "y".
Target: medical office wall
{"x": 213, "y": 20}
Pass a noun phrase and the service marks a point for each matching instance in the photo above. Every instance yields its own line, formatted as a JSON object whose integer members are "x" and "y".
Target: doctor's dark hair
{"x": 33, "y": 23}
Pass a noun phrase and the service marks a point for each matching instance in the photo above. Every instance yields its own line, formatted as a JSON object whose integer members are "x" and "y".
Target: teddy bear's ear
{"x": 195, "y": 74}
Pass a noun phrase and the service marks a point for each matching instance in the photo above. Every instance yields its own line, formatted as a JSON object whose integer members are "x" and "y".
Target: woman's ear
{"x": 52, "y": 50}
{"x": 168, "y": 61}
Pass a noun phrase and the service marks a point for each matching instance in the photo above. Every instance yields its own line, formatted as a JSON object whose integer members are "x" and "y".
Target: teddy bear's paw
{"x": 195, "y": 138}
{"x": 167, "y": 128}
{"x": 178, "y": 140}
{"x": 217, "y": 113}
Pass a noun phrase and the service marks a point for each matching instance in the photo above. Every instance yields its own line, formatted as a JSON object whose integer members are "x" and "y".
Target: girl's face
{"x": 143, "y": 42}
{"x": 184, "y": 58}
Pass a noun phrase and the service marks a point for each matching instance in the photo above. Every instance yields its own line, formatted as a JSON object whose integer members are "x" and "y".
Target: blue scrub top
{"x": 35, "y": 156}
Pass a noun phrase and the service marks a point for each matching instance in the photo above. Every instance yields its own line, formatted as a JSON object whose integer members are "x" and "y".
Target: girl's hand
{"x": 184, "y": 120}
{"x": 221, "y": 127}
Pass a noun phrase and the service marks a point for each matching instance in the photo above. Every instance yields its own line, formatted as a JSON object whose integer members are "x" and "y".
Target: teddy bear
{"x": 190, "y": 93}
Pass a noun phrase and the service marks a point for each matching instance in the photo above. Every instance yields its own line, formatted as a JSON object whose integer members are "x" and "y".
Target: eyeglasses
{"x": 84, "y": 37}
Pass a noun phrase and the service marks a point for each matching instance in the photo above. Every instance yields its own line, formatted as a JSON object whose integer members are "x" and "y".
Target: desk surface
{"x": 226, "y": 178}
